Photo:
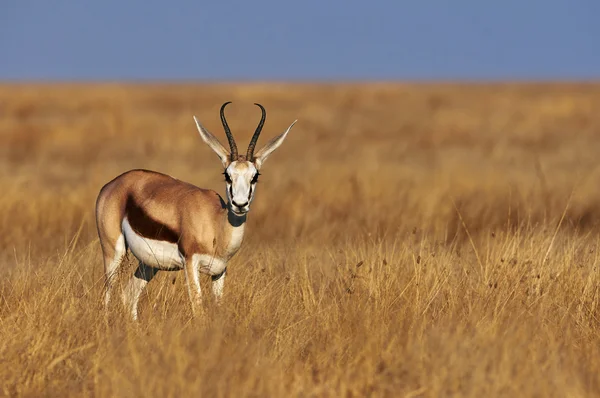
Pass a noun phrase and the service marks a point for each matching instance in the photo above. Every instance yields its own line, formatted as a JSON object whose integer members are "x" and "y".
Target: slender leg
{"x": 131, "y": 294}
{"x": 113, "y": 259}
{"x": 218, "y": 281}
{"x": 192, "y": 277}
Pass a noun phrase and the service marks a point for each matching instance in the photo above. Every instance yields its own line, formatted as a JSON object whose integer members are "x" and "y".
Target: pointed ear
{"x": 270, "y": 146}
{"x": 213, "y": 143}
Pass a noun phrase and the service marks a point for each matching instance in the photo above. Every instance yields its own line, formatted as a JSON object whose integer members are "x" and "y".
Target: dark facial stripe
{"x": 145, "y": 226}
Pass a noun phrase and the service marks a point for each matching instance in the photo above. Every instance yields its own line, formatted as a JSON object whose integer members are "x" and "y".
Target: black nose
{"x": 239, "y": 205}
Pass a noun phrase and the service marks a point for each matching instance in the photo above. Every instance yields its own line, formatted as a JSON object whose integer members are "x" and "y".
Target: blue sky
{"x": 299, "y": 40}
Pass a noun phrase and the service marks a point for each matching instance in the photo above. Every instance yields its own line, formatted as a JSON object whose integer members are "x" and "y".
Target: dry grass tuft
{"x": 406, "y": 240}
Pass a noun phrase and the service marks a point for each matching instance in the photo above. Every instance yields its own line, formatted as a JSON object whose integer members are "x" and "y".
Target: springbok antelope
{"x": 172, "y": 225}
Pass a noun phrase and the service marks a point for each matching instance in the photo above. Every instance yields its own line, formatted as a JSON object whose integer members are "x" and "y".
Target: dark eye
{"x": 227, "y": 177}
{"x": 255, "y": 178}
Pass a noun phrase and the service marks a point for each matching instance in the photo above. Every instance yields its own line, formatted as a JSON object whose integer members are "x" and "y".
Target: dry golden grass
{"x": 406, "y": 240}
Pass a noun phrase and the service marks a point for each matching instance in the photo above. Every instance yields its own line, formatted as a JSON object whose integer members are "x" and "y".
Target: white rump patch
{"x": 154, "y": 253}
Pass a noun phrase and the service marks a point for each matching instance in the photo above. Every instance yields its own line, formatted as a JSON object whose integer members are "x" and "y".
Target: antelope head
{"x": 241, "y": 171}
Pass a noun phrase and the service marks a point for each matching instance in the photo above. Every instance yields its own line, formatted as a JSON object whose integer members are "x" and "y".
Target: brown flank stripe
{"x": 145, "y": 226}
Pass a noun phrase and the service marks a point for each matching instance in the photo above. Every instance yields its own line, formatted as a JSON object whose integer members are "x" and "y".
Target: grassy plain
{"x": 405, "y": 241}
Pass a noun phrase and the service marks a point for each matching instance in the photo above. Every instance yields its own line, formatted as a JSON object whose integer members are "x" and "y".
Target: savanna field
{"x": 406, "y": 240}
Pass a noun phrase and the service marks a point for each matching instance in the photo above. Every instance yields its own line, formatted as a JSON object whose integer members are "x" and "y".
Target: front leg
{"x": 192, "y": 278}
{"x": 218, "y": 281}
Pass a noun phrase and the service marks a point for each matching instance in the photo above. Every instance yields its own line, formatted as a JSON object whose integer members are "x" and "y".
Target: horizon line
{"x": 324, "y": 81}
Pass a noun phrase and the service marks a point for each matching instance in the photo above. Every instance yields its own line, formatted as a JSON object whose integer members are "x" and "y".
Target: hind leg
{"x": 113, "y": 259}
{"x": 131, "y": 294}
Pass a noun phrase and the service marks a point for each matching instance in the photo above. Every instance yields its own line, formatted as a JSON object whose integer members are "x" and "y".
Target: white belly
{"x": 154, "y": 253}
{"x": 208, "y": 264}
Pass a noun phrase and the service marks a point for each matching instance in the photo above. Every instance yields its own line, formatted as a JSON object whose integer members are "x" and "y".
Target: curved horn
{"x": 232, "y": 145}
{"x": 252, "y": 145}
